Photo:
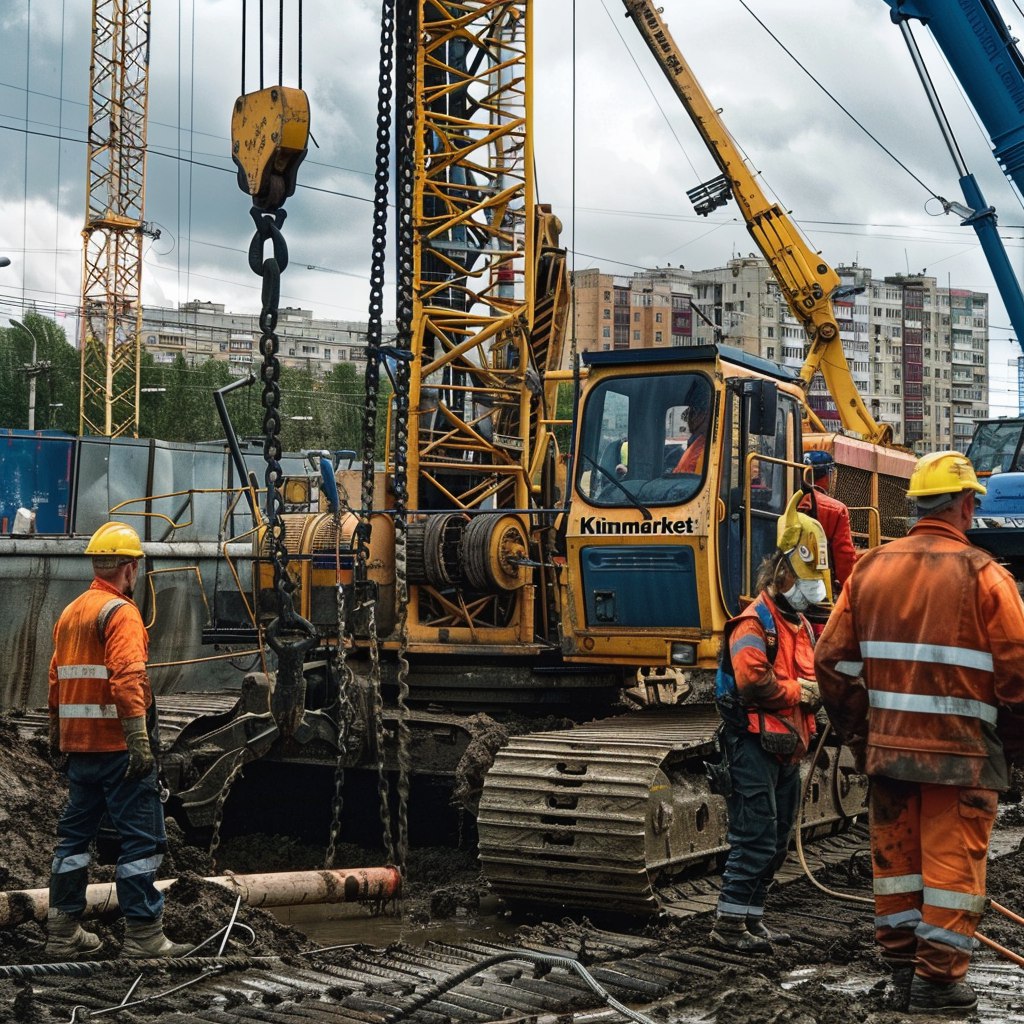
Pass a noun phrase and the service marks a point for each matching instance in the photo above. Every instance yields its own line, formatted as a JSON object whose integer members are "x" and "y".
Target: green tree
{"x": 57, "y": 386}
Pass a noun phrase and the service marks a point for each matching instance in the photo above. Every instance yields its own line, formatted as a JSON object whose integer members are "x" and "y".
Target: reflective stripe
{"x": 757, "y": 912}
{"x": 944, "y": 935}
{"x": 933, "y": 654}
{"x": 923, "y": 704}
{"x": 144, "y": 866}
{"x": 897, "y": 884}
{"x": 736, "y": 909}
{"x": 73, "y": 862}
{"x": 850, "y": 668}
{"x": 751, "y": 640}
{"x": 950, "y": 899}
{"x": 88, "y": 711}
{"x": 83, "y": 672}
{"x": 903, "y": 919}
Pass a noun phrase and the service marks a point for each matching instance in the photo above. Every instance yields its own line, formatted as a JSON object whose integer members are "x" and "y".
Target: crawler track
{"x": 603, "y": 814}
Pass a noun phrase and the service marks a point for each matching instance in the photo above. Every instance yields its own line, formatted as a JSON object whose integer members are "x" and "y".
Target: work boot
{"x": 757, "y": 928}
{"x": 66, "y": 939}
{"x": 897, "y": 995}
{"x": 730, "y": 932}
{"x": 952, "y": 997}
{"x": 146, "y": 939}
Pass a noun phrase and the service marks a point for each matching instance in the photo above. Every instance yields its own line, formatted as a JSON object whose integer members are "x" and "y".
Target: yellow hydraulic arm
{"x": 806, "y": 280}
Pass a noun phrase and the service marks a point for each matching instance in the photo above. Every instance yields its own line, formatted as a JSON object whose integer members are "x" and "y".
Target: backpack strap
{"x": 771, "y": 633}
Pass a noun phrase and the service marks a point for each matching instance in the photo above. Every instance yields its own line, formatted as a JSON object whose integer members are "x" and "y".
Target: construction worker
{"x": 833, "y": 515}
{"x": 698, "y": 416}
{"x": 921, "y": 669}
{"x": 767, "y": 697}
{"x": 98, "y": 700}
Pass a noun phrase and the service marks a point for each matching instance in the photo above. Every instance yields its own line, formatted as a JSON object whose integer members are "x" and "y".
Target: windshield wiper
{"x": 611, "y": 476}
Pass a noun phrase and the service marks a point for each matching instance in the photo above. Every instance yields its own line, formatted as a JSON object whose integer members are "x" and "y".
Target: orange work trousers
{"x": 929, "y": 849}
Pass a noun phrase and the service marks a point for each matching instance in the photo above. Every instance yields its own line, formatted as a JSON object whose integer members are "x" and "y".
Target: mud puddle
{"x": 344, "y": 924}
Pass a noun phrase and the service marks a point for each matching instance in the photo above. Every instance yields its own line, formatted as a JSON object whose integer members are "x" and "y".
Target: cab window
{"x": 644, "y": 439}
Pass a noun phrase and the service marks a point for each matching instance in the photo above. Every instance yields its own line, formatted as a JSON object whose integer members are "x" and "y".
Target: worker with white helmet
{"x": 99, "y": 698}
{"x": 921, "y": 669}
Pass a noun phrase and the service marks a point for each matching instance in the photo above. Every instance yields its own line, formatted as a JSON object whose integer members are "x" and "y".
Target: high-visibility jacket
{"x": 768, "y": 683}
{"x": 834, "y": 517}
{"x": 692, "y": 459}
{"x": 927, "y": 636}
{"x": 98, "y": 670}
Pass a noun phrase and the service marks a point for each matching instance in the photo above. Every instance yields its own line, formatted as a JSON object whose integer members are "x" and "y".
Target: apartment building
{"x": 917, "y": 353}
{"x": 205, "y": 330}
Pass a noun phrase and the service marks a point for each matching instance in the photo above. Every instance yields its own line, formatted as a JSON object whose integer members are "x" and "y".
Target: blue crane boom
{"x": 989, "y": 67}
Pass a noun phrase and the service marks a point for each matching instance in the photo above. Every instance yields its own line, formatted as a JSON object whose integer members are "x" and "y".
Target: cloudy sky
{"x": 615, "y": 152}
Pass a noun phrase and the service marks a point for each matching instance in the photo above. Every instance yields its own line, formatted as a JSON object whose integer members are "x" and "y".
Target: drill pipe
{"x": 278, "y": 889}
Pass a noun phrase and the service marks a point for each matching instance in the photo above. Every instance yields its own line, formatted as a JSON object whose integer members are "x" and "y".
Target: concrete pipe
{"x": 280, "y": 889}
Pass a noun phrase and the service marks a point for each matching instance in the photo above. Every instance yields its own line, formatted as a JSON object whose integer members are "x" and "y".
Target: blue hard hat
{"x": 821, "y": 461}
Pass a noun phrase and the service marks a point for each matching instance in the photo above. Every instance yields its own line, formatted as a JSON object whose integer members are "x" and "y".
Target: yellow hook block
{"x": 269, "y": 138}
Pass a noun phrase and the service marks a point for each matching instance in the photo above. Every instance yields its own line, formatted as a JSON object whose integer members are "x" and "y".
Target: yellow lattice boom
{"x": 111, "y": 312}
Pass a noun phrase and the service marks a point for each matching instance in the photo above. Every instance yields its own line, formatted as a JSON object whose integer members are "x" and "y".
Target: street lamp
{"x": 33, "y": 370}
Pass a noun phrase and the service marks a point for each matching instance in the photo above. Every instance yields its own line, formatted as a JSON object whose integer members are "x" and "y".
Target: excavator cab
{"x": 685, "y": 459}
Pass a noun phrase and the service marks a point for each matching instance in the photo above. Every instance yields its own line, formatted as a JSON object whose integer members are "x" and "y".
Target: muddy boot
{"x": 897, "y": 993}
{"x": 66, "y": 939}
{"x": 146, "y": 939}
{"x": 757, "y": 928}
{"x": 948, "y": 997}
{"x": 730, "y": 932}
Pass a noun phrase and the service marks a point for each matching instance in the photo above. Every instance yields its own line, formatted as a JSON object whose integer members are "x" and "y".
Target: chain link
{"x": 365, "y": 594}
{"x": 222, "y": 797}
{"x": 346, "y": 715}
{"x": 404, "y": 184}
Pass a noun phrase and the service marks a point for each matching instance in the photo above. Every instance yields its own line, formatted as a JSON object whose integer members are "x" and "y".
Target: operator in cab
{"x": 698, "y": 416}
{"x": 767, "y": 696}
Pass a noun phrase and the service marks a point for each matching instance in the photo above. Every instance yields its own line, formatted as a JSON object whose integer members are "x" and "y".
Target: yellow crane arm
{"x": 806, "y": 280}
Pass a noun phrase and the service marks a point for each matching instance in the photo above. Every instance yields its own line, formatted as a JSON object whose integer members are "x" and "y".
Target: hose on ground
{"x": 542, "y": 959}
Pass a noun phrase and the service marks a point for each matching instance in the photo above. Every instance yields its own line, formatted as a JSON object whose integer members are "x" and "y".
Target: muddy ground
{"x": 444, "y": 883}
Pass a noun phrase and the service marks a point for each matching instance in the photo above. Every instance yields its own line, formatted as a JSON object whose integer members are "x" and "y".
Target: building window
{"x": 657, "y": 318}
{"x": 657, "y": 337}
{"x": 636, "y": 335}
{"x": 606, "y": 314}
{"x": 606, "y": 332}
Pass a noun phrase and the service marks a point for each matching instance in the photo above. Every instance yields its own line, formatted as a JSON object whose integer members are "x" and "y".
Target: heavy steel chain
{"x": 404, "y": 184}
{"x": 346, "y": 682}
{"x": 268, "y": 229}
{"x": 364, "y": 593}
{"x": 222, "y": 797}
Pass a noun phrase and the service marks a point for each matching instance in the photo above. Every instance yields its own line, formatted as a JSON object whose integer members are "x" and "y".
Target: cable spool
{"x": 491, "y": 550}
{"x": 433, "y": 551}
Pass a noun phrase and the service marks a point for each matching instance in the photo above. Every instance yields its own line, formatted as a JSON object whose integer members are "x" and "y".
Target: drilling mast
{"x": 111, "y": 311}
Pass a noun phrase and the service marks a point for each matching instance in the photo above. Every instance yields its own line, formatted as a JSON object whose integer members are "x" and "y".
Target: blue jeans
{"x": 96, "y": 784}
{"x": 762, "y": 811}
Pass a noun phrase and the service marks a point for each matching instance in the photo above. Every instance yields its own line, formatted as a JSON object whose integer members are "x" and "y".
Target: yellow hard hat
{"x": 803, "y": 541}
{"x": 943, "y": 473}
{"x": 115, "y": 539}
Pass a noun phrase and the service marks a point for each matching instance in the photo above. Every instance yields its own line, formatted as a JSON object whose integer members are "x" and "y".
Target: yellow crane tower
{"x": 111, "y": 311}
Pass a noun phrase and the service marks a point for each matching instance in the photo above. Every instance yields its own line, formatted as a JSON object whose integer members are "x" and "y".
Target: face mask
{"x": 804, "y": 593}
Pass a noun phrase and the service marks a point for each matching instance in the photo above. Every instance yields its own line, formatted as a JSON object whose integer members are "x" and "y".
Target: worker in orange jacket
{"x": 921, "y": 669}
{"x": 99, "y": 699}
{"x": 833, "y": 515}
{"x": 698, "y": 421}
{"x": 766, "y": 694}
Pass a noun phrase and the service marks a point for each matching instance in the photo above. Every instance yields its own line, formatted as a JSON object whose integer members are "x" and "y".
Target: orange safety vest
{"x": 926, "y": 642}
{"x": 767, "y": 681}
{"x": 98, "y": 670}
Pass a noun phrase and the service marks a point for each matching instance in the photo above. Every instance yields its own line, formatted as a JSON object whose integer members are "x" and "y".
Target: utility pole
{"x": 32, "y": 369}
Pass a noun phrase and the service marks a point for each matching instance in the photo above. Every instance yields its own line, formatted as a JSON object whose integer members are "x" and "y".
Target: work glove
{"x": 810, "y": 698}
{"x": 140, "y": 754}
{"x": 57, "y": 759}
